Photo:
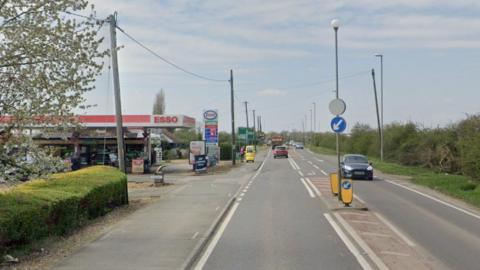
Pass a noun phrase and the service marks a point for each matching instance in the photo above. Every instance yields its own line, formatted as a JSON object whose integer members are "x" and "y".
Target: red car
{"x": 280, "y": 151}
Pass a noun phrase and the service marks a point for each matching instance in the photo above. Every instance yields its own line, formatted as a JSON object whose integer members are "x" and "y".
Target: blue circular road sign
{"x": 338, "y": 124}
{"x": 346, "y": 185}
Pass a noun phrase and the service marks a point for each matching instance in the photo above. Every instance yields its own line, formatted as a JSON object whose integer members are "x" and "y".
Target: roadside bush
{"x": 225, "y": 151}
{"x": 469, "y": 146}
{"x": 58, "y": 205}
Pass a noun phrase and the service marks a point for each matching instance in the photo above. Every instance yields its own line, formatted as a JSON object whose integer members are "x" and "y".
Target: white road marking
{"x": 239, "y": 199}
{"x": 316, "y": 167}
{"x": 395, "y": 230}
{"x": 435, "y": 199}
{"x": 380, "y": 264}
{"x": 359, "y": 199}
{"x": 324, "y": 173}
{"x": 319, "y": 160}
{"x": 364, "y": 222}
{"x": 395, "y": 253}
{"x": 355, "y": 214}
{"x": 310, "y": 192}
{"x": 291, "y": 164}
{"x": 361, "y": 260}
{"x": 216, "y": 208}
{"x": 312, "y": 173}
{"x": 216, "y": 238}
{"x": 296, "y": 165}
{"x": 261, "y": 167}
{"x": 313, "y": 187}
{"x": 243, "y": 193}
{"x": 309, "y": 162}
{"x": 301, "y": 173}
{"x": 376, "y": 234}
{"x": 195, "y": 235}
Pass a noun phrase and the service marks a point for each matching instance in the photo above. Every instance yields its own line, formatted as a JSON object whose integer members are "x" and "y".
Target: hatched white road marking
{"x": 296, "y": 165}
{"x": 395, "y": 253}
{"x": 319, "y": 160}
{"x": 316, "y": 167}
{"x": 313, "y": 187}
{"x": 301, "y": 174}
{"x": 324, "y": 173}
{"x": 363, "y": 262}
{"x": 380, "y": 264}
{"x": 310, "y": 192}
{"x": 395, "y": 230}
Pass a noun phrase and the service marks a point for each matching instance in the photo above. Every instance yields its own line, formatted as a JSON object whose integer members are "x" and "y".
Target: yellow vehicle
{"x": 250, "y": 153}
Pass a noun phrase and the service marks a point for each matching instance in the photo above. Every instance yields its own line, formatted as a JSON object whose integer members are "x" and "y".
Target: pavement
{"x": 166, "y": 233}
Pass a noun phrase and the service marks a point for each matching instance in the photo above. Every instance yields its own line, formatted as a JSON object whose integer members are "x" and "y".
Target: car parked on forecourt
{"x": 356, "y": 166}
{"x": 280, "y": 151}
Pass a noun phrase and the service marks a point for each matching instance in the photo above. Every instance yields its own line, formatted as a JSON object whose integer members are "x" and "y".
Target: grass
{"x": 458, "y": 186}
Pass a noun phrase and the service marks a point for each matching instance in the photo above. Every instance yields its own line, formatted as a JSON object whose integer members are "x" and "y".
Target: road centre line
{"x": 395, "y": 230}
{"x": 361, "y": 260}
{"x": 216, "y": 238}
{"x": 378, "y": 262}
{"x": 314, "y": 188}
{"x": 435, "y": 199}
{"x": 310, "y": 192}
{"x": 301, "y": 173}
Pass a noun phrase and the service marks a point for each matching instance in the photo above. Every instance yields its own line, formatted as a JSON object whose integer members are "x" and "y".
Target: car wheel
{"x": 370, "y": 178}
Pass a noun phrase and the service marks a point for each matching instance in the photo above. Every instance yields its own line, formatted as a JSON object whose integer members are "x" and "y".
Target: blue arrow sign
{"x": 346, "y": 185}
{"x": 338, "y": 124}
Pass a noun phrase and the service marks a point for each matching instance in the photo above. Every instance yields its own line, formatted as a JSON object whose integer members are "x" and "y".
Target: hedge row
{"x": 58, "y": 205}
{"x": 452, "y": 149}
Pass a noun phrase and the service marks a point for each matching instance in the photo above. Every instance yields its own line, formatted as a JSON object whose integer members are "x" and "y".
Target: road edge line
{"x": 350, "y": 246}
{"x": 309, "y": 190}
{"x": 200, "y": 246}
{"x": 434, "y": 199}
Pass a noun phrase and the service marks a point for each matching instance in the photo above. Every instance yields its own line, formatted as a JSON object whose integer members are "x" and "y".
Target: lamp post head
{"x": 379, "y": 55}
{"x": 335, "y": 23}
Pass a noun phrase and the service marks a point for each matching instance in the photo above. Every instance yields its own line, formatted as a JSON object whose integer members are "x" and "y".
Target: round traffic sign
{"x": 338, "y": 124}
{"x": 337, "y": 106}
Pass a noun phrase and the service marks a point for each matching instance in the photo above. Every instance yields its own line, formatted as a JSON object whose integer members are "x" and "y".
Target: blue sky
{"x": 278, "y": 49}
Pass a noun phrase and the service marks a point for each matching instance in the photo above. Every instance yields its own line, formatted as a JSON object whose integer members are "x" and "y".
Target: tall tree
{"x": 159, "y": 105}
{"x": 48, "y": 60}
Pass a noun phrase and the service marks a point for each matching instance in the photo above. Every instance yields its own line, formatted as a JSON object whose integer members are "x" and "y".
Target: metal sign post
{"x": 338, "y": 125}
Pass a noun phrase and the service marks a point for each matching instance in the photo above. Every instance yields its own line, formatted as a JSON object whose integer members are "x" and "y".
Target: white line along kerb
{"x": 435, "y": 199}
{"x": 296, "y": 165}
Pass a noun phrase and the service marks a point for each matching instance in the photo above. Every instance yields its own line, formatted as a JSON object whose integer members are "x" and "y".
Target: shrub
{"x": 58, "y": 205}
{"x": 225, "y": 151}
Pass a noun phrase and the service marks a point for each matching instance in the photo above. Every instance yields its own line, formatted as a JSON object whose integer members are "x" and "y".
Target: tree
{"x": 48, "y": 60}
{"x": 159, "y": 105}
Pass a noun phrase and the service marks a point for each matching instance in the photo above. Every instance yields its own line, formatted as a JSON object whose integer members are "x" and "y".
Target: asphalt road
{"x": 442, "y": 228}
{"x": 277, "y": 224}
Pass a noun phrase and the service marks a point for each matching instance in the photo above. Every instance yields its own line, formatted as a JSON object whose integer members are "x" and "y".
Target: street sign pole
{"x": 233, "y": 118}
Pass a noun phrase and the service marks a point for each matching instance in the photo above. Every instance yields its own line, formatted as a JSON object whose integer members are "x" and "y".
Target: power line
{"x": 167, "y": 61}
{"x": 83, "y": 16}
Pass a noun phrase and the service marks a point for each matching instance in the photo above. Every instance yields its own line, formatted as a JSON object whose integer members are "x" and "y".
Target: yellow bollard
{"x": 347, "y": 191}
{"x": 334, "y": 183}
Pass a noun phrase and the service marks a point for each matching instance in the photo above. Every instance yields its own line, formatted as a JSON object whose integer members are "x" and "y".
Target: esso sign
{"x": 210, "y": 115}
{"x": 166, "y": 119}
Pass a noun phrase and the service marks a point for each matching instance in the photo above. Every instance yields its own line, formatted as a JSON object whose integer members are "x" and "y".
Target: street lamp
{"x": 381, "y": 105}
{"x": 335, "y": 23}
{"x": 314, "y": 116}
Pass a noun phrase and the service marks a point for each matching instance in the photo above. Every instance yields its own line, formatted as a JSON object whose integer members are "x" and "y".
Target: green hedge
{"x": 56, "y": 206}
{"x": 225, "y": 151}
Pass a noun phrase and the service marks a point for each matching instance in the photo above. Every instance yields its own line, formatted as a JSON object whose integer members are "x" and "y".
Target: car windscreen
{"x": 280, "y": 148}
{"x": 356, "y": 159}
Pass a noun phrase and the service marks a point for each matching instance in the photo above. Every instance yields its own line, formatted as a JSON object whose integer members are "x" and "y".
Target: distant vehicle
{"x": 250, "y": 153}
{"x": 280, "y": 151}
{"x": 277, "y": 140}
{"x": 298, "y": 145}
{"x": 108, "y": 159}
{"x": 356, "y": 166}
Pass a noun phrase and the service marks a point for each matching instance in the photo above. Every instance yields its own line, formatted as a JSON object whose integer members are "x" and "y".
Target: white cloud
{"x": 271, "y": 92}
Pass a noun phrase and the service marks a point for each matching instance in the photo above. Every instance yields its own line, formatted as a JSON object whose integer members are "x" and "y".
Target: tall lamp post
{"x": 336, "y": 24}
{"x": 314, "y": 116}
{"x": 381, "y": 105}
